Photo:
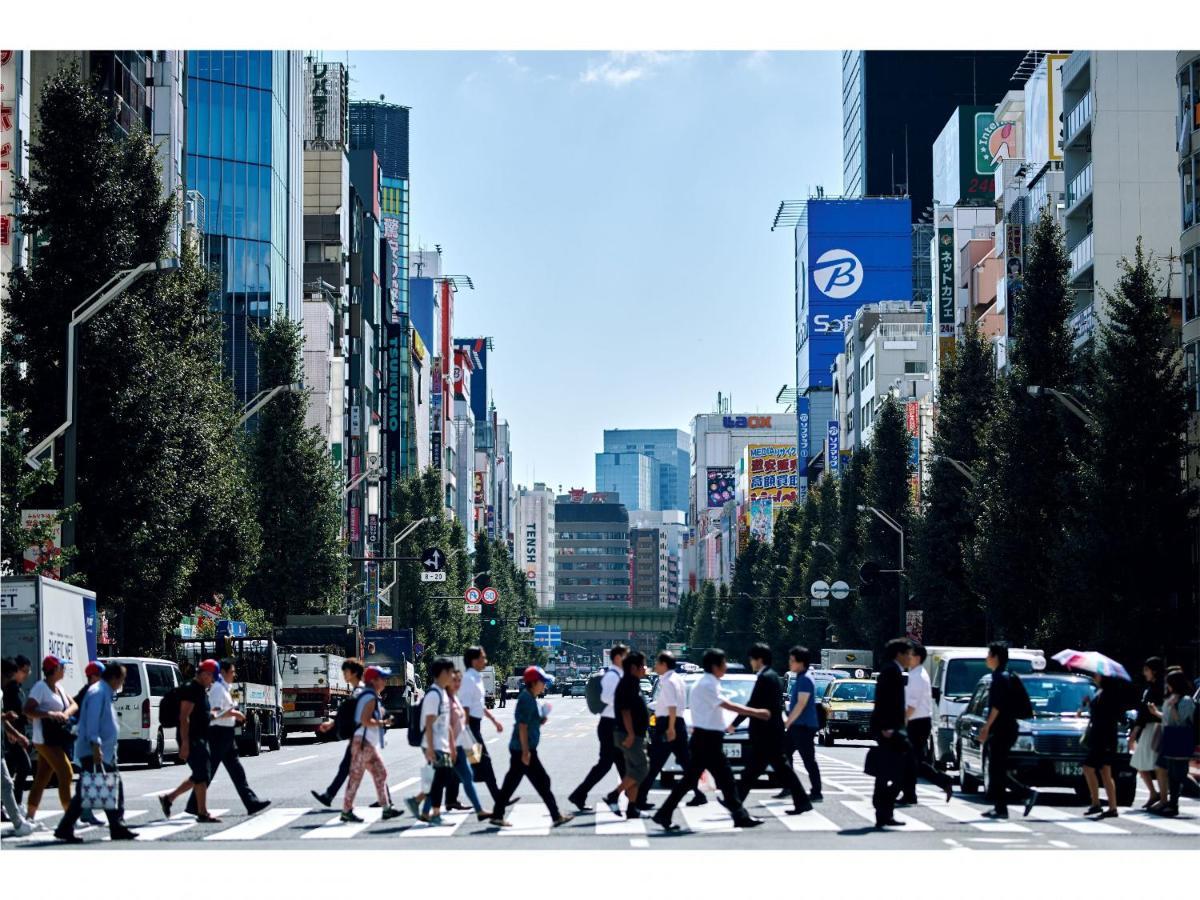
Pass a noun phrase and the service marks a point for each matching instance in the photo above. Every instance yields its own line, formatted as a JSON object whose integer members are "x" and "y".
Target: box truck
{"x": 40, "y": 616}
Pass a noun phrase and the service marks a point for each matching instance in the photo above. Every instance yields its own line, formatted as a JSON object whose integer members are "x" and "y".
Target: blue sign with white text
{"x": 834, "y": 434}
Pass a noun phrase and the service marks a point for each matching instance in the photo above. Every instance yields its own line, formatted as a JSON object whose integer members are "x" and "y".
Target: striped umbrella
{"x": 1093, "y": 662}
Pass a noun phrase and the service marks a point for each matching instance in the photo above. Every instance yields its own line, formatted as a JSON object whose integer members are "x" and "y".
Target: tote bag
{"x": 99, "y": 790}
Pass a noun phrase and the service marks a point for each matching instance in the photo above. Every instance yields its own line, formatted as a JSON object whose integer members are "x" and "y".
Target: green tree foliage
{"x": 302, "y": 568}
{"x": 747, "y": 600}
{"x": 850, "y": 548}
{"x": 704, "y": 624}
{"x": 17, "y": 488}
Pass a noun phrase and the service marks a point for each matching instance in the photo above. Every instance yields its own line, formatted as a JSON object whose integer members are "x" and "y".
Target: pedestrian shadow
{"x": 858, "y": 832}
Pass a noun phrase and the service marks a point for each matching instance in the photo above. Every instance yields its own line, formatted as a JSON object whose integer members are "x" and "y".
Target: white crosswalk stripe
{"x": 809, "y": 821}
{"x": 609, "y": 822}
{"x": 972, "y": 815}
{"x": 450, "y": 823}
{"x": 335, "y": 829}
{"x": 864, "y": 810}
{"x": 163, "y": 828}
{"x": 528, "y": 820}
{"x": 711, "y": 818}
{"x": 1174, "y": 826}
{"x": 258, "y": 826}
{"x": 1073, "y": 821}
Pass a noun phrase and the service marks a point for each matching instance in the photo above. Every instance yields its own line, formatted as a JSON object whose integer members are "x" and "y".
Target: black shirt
{"x": 628, "y": 698}
{"x": 1105, "y": 711}
{"x": 197, "y": 694}
{"x": 1152, "y": 694}
{"x": 767, "y": 694}
{"x": 1000, "y": 699}
{"x": 14, "y": 704}
{"x": 888, "y": 713}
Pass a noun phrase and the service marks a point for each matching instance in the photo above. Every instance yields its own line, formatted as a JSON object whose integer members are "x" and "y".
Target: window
{"x": 1189, "y": 174}
{"x": 1189, "y": 95}
{"x": 133, "y": 681}
{"x": 1191, "y": 363}
{"x": 160, "y": 678}
{"x": 1191, "y": 284}
{"x": 915, "y": 367}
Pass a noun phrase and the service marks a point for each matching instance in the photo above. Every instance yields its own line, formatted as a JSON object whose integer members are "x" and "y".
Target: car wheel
{"x": 253, "y": 736}
{"x": 275, "y": 741}
{"x": 155, "y": 759}
{"x": 969, "y": 783}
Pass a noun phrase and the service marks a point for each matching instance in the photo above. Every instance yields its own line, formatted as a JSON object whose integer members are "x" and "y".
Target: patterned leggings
{"x": 365, "y": 758}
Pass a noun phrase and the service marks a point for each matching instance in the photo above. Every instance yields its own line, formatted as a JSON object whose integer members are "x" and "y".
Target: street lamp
{"x": 121, "y": 282}
{"x": 412, "y": 526}
{"x": 475, "y": 578}
{"x": 1072, "y": 404}
{"x": 373, "y": 474}
{"x": 895, "y": 526}
{"x": 262, "y": 398}
{"x": 962, "y": 468}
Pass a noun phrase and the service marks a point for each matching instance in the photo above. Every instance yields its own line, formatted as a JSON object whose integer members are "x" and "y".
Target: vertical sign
{"x": 802, "y": 416}
{"x": 914, "y": 624}
{"x": 9, "y": 148}
{"x": 945, "y": 302}
{"x": 36, "y": 555}
{"x": 834, "y": 433}
{"x": 913, "y": 424}
{"x": 372, "y": 528}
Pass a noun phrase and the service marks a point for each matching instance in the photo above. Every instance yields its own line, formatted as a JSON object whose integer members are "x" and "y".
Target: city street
{"x": 568, "y": 748}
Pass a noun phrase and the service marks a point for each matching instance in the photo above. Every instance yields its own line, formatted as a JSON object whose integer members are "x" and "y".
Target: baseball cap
{"x": 95, "y": 667}
{"x": 211, "y": 666}
{"x": 373, "y": 672}
{"x": 51, "y": 663}
{"x": 537, "y": 673}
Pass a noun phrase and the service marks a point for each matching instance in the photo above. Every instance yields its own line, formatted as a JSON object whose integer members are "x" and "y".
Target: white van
{"x": 954, "y": 672}
{"x": 147, "y": 681}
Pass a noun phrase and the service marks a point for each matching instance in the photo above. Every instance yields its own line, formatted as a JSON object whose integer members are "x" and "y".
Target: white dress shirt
{"x": 706, "y": 704}
{"x": 608, "y": 686}
{"x": 470, "y": 695}
{"x": 221, "y": 701}
{"x": 671, "y": 692}
{"x": 918, "y": 693}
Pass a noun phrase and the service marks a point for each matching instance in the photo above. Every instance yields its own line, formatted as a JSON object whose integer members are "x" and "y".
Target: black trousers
{"x": 483, "y": 769}
{"x": 343, "y": 772}
{"x": 19, "y": 767}
{"x": 763, "y": 753}
{"x": 609, "y": 757}
{"x": 443, "y": 780}
{"x": 661, "y": 750}
{"x": 538, "y": 777}
{"x": 115, "y": 816}
{"x": 707, "y": 753}
{"x": 222, "y": 749}
{"x": 893, "y": 764}
{"x": 922, "y": 765}
{"x": 803, "y": 738}
{"x": 1000, "y": 780}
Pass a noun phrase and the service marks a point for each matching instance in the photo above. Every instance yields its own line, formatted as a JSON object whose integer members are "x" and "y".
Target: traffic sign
{"x": 433, "y": 576}
{"x": 820, "y": 601}
{"x": 433, "y": 559}
{"x": 490, "y": 596}
{"x": 840, "y": 590}
{"x": 548, "y": 636}
{"x": 418, "y": 649}
{"x": 473, "y": 608}
{"x": 522, "y": 621}
{"x": 819, "y": 590}
{"x": 676, "y": 648}
{"x": 473, "y": 595}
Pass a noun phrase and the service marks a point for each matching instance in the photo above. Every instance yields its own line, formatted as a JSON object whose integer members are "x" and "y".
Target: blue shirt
{"x": 527, "y": 712}
{"x": 98, "y": 724}
{"x": 803, "y": 684}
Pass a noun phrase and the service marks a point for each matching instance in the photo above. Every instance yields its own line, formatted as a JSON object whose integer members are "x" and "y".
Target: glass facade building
{"x": 245, "y": 156}
{"x": 634, "y": 476}
{"x": 671, "y": 450}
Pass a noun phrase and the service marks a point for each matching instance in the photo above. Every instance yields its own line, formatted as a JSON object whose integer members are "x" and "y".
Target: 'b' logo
{"x": 838, "y": 274}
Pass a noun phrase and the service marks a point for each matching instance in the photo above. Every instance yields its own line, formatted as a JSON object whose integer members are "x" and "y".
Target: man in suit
{"x": 887, "y": 726}
{"x": 768, "y": 744}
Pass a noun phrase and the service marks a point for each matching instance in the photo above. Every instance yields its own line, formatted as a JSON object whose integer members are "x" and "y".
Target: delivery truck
{"x": 40, "y": 617}
{"x": 393, "y": 650}
{"x": 857, "y": 662}
{"x": 311, "y": 650}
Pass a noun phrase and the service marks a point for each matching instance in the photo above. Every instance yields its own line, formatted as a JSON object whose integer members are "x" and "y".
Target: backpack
{"x": 345, "y": 722}
{"x": 416, "y": 728}
{"x": 168, "y": 707}
{"x": 1022, "y": 708}
{"x": 592, "y": 692}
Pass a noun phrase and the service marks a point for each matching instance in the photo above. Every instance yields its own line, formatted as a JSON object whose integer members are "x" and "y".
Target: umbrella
{"x": 1093, "y": 662}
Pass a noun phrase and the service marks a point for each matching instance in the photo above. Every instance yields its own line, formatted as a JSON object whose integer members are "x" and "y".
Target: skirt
{"x": 1145, "y": 754}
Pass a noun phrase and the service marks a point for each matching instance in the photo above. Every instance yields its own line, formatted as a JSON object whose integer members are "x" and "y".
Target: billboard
{"x": 393, "y": 410}
{"x": 833, "y": 434}
{"x": 721, "y": 486}
{"x": 762, "y": 520}
{"x": 803, "y": 443}
{"x": 36, "y": 555}
{"x": 478, "y": 489}
{"x": 852, "y": 252}
{"x": 945, "y": 286}
{"x": 772, "y": 473}
{"x": 966, "y": 153}
{"x": 326, "y": 111}
{"x": 1043, "y": 106}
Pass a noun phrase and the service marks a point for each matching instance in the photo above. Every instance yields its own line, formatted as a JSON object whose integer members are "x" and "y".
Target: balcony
{"x": 1080, "y": 187}
{"x": 1073, "y": 65}
{"x": 1079, "y": 117}
{"x": 1081, "y": 257}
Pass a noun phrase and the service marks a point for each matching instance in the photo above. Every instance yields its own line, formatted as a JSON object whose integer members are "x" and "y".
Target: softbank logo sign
{"x": 838, "y": 274}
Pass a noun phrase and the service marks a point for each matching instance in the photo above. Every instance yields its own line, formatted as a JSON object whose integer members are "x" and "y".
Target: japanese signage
{"x": 914, "y": 624}
{"x": 1043, "y": 105}
{"x": 772, "y": 473}
{"x": 435, "y": 448}
{"x": 762, "y": 520}
{"x": 355, "y": 421}
{"x": 326, "y": 113}
{"x": 393, "y": 413}
{"x": 834, "y": 437}
{"x": 720, "y": 486}
{"x": 912, "y": 423}
{"x": 479, "y": 489}
{"x": 945, "y": 288}
{"x": 802, "y": 441}
{"x": 372, "y": 528}
{"x": 491, "y": 522}
{"x": 355, "y": 523}
{"x": 9, "y": 148}
{"x": 36, "y": 555}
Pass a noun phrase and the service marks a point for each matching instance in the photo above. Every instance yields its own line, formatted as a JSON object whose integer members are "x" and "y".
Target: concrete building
{"x": 648, "y": 568}
{"x": 15, "y": 133}
{"x": 500, "y": 519}
{"x": 668, "y": 447}
{"x": 1187, "y": 130}
{"x": 634, "y": 476}
{"x": 591, "y": 550}
{"x": 672, "y": 535}
{"x": 536, "y": 545}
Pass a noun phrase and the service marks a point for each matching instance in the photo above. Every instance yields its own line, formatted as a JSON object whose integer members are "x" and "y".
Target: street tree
{"x": 704, "y": 624}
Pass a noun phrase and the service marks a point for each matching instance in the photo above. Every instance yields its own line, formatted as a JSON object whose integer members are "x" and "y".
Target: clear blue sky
{"x": 614, "y": 211}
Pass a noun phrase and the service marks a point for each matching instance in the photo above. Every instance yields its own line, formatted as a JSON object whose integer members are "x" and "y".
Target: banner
{"x": 721, "y": 486}
{"x": 912, "y": 417}
{"x": 762, "y": 520}
{"x": 772, "y": 473}
{"x": 479, "y": 489}
{"x": 802, "y": 443}
{"x": 37, "y": 555}
{"x": 834, "y": 434}
{"x": 914, "y": 624}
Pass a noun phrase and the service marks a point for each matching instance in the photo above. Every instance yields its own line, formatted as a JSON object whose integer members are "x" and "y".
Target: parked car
{"x": 1048, "y": 752}
{"x": 646, "y": 686}
{"x": 736, "y": 688}
{"x": 142, "y": 738}
{"x": 577, "y": 689}
{"x": 848, "y": 704}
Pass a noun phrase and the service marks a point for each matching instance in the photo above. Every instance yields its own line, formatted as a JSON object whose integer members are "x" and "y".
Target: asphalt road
{"x": 842, "y": 821}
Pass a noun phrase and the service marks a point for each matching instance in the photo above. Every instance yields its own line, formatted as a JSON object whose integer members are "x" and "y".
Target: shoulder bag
{"x": 56, "y": 733}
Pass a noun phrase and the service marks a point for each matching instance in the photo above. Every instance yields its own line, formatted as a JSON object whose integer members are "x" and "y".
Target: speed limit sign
{"x": 490, "y": 596}
{"x": 472, "y": 595}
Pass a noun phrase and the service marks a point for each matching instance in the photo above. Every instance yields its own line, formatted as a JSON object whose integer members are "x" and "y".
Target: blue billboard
{"x": 420, "y": 309}
{"x": 849, "y": 253}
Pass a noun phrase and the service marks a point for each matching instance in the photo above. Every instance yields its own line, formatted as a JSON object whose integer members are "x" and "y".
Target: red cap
{"x": 211, "y": 666}
{"x": 51, "y": 664}
{"x": 94, "y": 668}
{"x": 373, "y": 672}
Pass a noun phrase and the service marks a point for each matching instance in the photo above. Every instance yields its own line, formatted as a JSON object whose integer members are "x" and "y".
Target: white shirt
{"x": 918, "y": 693}
{"x": 373, "y": 736}
{"x": 671, "y": 692}
{"x": 435, "y": 697}
{"x": 48, "y": 700}
{"x": 470, "y": 695}
{"x": 608, "y": 687}
{"x": 221, "y": 701}
{"x": 706, "y": 704}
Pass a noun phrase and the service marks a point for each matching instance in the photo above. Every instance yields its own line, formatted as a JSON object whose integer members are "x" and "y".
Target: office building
{"x": 672, "y": 535}
{"x": 591, "y": 550}
{"x": 15, "y": 134}
{"x": 668, "y": 447}
{"x": 245, "y": 157}
{"x": 633, "y": 476}
{"x": 534, "y": 532}
{"x": 648, "y": 567}
{"x": 500, "y": 520}
{"x": 1188, "y": 145}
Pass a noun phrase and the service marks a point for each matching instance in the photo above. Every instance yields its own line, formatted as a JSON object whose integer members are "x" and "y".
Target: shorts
{"x": 198, "y": 762}
{"x": 637, "y": 764}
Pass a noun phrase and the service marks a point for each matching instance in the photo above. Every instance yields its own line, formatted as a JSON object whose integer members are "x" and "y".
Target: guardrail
{"x": 1080, "y": 115}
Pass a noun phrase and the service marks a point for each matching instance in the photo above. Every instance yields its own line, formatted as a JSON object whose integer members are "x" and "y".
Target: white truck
{"x": 313, "y": 687}
{"x": 857, "y": 662}
{"x": 40, "y": 616}
{"x": 489, "y": 686}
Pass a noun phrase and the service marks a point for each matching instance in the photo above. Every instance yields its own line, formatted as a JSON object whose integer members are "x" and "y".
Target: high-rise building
{"x": 534, "y": 534}
{"x": 245, "y": 156}
{"x": 591, "y": 565}
{"x": 15, "y": 134}
{"x": 647, "y": 572}
{"x": 1187, "y": 128}
{"x": 668, "y": 447}
{"x": 633, "y": 476}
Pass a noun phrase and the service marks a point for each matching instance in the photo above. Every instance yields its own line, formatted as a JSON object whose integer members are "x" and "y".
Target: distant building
{"x": 648, "y": 569}
{"x": 634, "y": 476}
{"x": 668, "y": 447}
{"x": 536, "y": 542}
{"x": 591, "y": 550}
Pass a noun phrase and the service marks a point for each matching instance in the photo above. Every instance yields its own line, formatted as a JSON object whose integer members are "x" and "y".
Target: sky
{"x": 614, "y": 213}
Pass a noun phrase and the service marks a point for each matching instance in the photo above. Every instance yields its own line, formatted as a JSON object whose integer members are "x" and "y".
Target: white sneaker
{"x": 25, "y": 828}
{"x": 36, "y": 826}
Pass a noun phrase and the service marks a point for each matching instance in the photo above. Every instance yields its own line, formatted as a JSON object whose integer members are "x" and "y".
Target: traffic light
{"x": 868, "y": 572}
{"x": 491, "y": 621}
{"x": 791, "y": 618}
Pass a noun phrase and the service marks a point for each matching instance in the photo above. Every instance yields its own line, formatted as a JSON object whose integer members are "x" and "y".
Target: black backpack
{"x": 1022, "y": 707}
{"x": 168, "y": 707}
{"x": 416, "y": 728}
{"x": 345, "y": 722}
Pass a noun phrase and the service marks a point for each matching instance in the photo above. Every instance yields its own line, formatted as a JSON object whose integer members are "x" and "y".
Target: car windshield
{"x": 856, "y": 691}
{"x": 963, "y": 674}
{"x": 1053, "y": 697}
{"x": 735, "y": 690}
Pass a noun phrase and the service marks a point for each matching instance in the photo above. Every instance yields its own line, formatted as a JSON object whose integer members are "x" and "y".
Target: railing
{"x": 903, "y": 330}
{"x": 1080, "y": 186}
{"x": 1081, "y": 255}
{"x": 1079, "y": 116}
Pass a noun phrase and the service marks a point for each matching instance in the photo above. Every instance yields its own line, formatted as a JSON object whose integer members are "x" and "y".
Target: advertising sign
{"x": 914, "y": 624}
{"x": 64, "y": 632}
{"x": 355, "y": 421}
{"x": 802, "y": 444}
{"x": 387, "y": 648}
{"x": 10, "y": 147}
{"x": 37, "y": 555}
{"x": 857, "y": 252}
{"x": 326, "y": 121}
{"x": 355, "y": 523}
{"x": 945, "y": 288}
{"x": 746, "y": 421}
{"x": 491, "y": 522}
{"x": 435, "y": 448}
{"x": 772, "y": 473}
{"x": 912, "y": 417}
{"x": 476, "y": 350}
{"x": 479, "y": 489}
{"x": 721, "y": 486}
{"x": 372, "y": 529}
{"x": 393, "y": 410}
{"x": 834, "y": 436}
{"x": 1043, "y": 105}
{"x": 762, "y": 520}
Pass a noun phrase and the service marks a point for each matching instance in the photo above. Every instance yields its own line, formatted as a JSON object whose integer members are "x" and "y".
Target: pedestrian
{"x": 502, "y": 688}
{"x": 352, "y": 671}
{"x": 1006, "y": 695}
{"x": 802, "y": 723}
{"x": 195, "y": 716}
{"x": 918, "y": 701}
{"x": 707, "y": 746}
{"x": 368, "y": 740}
{"x": 435, "y": 738}
{"x": 1100, "y": 742}
{"x": 632, "y": 721}
{"x": 888, "y": 761}
{"x": 12, "y": 810}
{"x": 1143, "y": 739}
{"x": 49, "y": 708}
{"x": 16, "y": 738}
{"x": 96, "y": 751}
{"x": 605, "y": 728}
{"x": 92, "y": 671}
{"x": 523, "y": 751}
{"x": 462, "y": 744}
{"x": 222, "y": 741}
{"x": 1176, "y": 742}
{"x": 471, "y": 696}
{"x": 669, "y": 734}
{"x": 768, "y": 742}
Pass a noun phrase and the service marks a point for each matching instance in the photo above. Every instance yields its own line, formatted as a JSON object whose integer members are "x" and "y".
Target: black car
{"x": 1048, "y": 752}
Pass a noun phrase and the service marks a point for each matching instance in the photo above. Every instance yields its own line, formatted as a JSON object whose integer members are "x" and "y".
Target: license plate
{"x": 733, "y": 750}
{"x": 1068, "y": 768}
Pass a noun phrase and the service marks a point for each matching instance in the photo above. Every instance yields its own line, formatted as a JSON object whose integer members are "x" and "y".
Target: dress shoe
{"x": 799, "y": 810}
{"x": 122, "y": 834}
{"x": 1110, "y": 813}
{"x": 323, "y": 799}
{"x": 995, "y": 814}
{"x": 166, "y": 806}
{"x": 663, "y": 822}
{"x": 68, "y": 837}
{"x": 891, "y": 823}
{"x": 580, "y": 803}
{"x": 747, "y": 822}
{"x": 257, "y": 806}
{"x": 646, "y": 806}
{"x": 814, "y": 797}
{"x": 782, "y": 795}
{"x": 1029, "y": 801}
{"x": 633, "y": 813}
{"x": 457, "y": 807}
{"x": 698, "y": 800}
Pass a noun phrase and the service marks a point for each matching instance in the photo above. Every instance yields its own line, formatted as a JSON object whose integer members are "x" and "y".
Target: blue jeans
{"x": 462, "y": 769}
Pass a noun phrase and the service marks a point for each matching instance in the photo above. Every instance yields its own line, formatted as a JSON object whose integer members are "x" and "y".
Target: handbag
{"x": 56, "y": 733}
{"x": 99, "y": 790}
{"x": 1175, "y": 741}
{"x": 475, "y": 754}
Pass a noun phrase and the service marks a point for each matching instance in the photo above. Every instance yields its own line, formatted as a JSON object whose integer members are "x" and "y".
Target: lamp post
{"x": 895, "y": 526}
{"x": 1072, "y": 405}
{"x": 121, "y": 282}
{"x": 961, "y": 467}
{"x": 262, "y": 398}
{"x": 386, "y": 589}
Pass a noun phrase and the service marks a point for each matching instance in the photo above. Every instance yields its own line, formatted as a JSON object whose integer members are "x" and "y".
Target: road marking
{"x": 639, "y": 843}
{"x": 296, "y": 760}
{"x": 164, "y": 828}
{"x": 1073, "y": 821}
{"x": 710, "y": 818}
{"x": 809, "y": 821}
{"x": 953, "y": 844}
{"x": 47, "y": 837}
{"x": 450, "y": 823}
{"x": 336, "y": 829}
{"x": 263, "y": 823}
{"x": 608, "y": 822}
{"x": 528, "y": 820}
{"x": 1061, "y": 845}
{"x": 864, "y": 810}
{"x": 1175, "y": 826}
{"x": 400, "y": 785}
{"x": 971, "y": 815}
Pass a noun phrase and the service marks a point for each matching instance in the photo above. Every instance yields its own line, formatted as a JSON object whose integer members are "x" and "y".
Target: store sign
{"x": 9, "y": 148}
{"x": 372, "y": 528}
{"x": 834, "y": 436}
{"x": 914, "y": 624}
{"x": 355, "y": 523}
{"x": 721, "y": 486}
{"x": 802, "y": 417}
{"x": 326, "y": 120}
{"x": 479, "y": 489}
{"x": 355, "y": 421}
{"x": 772, "y": 473}
{"x": 435, "y": 448}
{"x": 36, "y": 555}
{"x": 746, "y": 422}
